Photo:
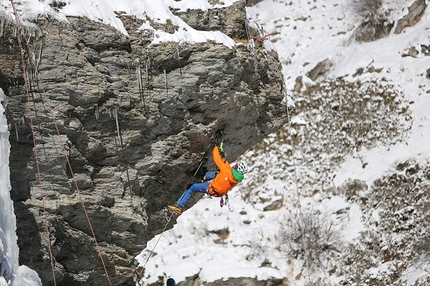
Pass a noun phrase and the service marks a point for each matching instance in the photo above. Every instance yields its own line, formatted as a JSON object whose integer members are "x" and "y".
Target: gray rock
{"x": 415, "y": 13}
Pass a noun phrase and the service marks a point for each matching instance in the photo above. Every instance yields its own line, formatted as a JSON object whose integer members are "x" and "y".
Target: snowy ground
{"x": 215, "y": 243}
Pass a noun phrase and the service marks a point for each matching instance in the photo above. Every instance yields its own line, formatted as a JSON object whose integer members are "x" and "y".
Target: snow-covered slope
{"x": 360, "y": 127}
{"x": 106, "y": 12}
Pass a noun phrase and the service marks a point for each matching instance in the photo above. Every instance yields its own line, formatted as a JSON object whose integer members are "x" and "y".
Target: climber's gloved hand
{"x": 218, "y": 138}
{"x": 221, "y": 149}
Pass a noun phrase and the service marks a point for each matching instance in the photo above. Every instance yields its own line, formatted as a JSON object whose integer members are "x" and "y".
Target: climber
{"x": 171, "y": 282}
{"x": 215, "y": 184}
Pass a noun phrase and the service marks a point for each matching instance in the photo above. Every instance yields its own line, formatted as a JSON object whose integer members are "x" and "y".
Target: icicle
{"x": 30, "y": 85}
{"x": 139, "y": 82}
{"x": 34, "y": 105}
{"x": 138, "y": 75}
{"x": 16, "y": 132}
{"x": 180, "y": 69}
{"x": 2, "y": 26}
{"x": 42, "y": 142}
{"x": 165, "y": 83}
{"x": 148, "y": 64}
{"x": 147, "y": 71}
{"x": 39, "y": 55}
{"x": 97, "y": 112}
{"x": 128, "y": 183}
{"x": 251, "y": 45}
{"x": 33, "y": 57}
{"x": 117, "y": 127}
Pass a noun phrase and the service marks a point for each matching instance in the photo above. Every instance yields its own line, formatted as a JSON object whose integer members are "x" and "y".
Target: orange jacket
{"x": 225, "y": 180}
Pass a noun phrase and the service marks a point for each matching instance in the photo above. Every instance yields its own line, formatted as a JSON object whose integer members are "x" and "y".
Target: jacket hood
{"x": 238, "y": 176}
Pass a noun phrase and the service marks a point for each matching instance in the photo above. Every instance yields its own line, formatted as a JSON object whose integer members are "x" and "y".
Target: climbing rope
{"x": 199, "y": 165}
{"x": 161, "y": 234}
{"x": 48, "y": 235}
{"x": 293, "y": 151}
{"x": 304, "y": 242}
{"x": 203, "y": 155}
{"x": 171, "y": 215}
{"x": 31, "y": 57}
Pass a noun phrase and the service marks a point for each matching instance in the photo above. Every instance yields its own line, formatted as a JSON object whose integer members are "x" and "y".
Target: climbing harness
{"x": 224, "y": 201}
{"x": 203, "y": 157}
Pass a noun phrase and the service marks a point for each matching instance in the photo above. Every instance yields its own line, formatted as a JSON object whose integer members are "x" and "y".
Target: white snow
{"x": 310, "y": 32}
{"x": 104, "y": 12}
{"x": 216, "y": 243}
{"x": 9, "y": 266}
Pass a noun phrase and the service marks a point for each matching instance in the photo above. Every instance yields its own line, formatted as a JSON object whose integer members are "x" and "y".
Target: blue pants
{"x": 195, "y": 188}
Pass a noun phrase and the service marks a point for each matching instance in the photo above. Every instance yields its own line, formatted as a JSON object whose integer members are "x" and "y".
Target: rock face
{"x": 118, "y": 126}
{"x": 415, "y": 13}
{"x": 376, "y": 23}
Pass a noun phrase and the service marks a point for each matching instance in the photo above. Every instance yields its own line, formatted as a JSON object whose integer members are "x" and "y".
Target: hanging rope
{"x": 161, "y": 234}
{"x": 31, "y": 57}
{"x": 304, "y": 237}
{"x": 199, "y": 165}
{"x": 39, "y": 178}
{"x": 171, "y": 215}
{"x": 293, "y": 151}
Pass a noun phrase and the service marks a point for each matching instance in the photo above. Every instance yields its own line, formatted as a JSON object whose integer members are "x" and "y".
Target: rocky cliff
{"x": 119, "y": 125}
